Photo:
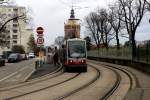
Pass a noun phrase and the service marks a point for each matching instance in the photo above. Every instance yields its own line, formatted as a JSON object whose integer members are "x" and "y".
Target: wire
{"x": 64, "y": 3}
{"x": 71, "y": 4}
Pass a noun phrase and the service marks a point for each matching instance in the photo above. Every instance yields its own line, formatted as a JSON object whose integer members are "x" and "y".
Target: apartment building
{"x": 17, "y": 30}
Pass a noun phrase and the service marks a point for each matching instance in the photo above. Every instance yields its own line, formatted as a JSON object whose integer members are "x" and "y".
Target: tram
{"x": 76, "y": 55}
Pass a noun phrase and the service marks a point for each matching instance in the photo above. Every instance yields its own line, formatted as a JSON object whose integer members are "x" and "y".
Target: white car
{"x": 31, "y": 55}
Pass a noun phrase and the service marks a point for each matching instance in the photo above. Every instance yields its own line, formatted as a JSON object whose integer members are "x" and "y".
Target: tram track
{"x": 82, "y": 87}
{"x": 68, "y": 94}
{"x": 130, "y": 75}
{"x": 117, "y": 83}
{"x": 115, "y": 86}
{"x": 42, "y": 88}
{"x": 59, "y": 72}
{"x": 97, "y": 78}
{"x": 51, "y": 75}
{"x": 110, "y": 92}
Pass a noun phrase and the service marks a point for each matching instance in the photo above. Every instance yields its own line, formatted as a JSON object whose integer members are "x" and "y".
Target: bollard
{"x": 38, "y": 64}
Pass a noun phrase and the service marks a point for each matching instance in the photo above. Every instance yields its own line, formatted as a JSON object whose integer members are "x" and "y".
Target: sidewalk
{"x": 43, "y": 70}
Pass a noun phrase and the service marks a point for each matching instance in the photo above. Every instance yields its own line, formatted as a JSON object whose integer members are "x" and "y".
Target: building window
{"x": 15, "y": 20}
{"x": 8, "y": 42}
{"x": 8, "y": 31}
{"x": 9, "y": 15}
{"x": 8, "y": 37}
{"x": 15, "y": 41}
{"x": 14, "y": 36}
{"x": 15, "y": 25}
{"x": 9, "y": 10}
{"x": 15, "y": 9}
{"x": 15, "y": 31}
{"x": 8, "y": 26}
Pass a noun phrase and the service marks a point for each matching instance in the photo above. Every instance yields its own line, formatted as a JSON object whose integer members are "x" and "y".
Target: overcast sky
{"x": 51, "y": 14}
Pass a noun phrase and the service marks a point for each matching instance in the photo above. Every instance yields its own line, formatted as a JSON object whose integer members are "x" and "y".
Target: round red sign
{"x": 40, "y": 30}
{"x": 40, "y": 40}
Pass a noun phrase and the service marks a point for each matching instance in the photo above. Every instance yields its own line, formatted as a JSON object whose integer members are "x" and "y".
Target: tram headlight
{"x": 70, "y": 61}
{"x": 83, "y": 61}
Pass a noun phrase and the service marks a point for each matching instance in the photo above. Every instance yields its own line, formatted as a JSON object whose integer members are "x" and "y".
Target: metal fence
{"x": 142, "y": 53}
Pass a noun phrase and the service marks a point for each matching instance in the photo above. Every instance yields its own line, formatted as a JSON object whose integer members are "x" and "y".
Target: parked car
{"x": 31, "y": 55}
{"x": 24, "y": 56}
{"x": 6, "y": 54}
{"x": 2, "y": 61}
{"x": 14, "y": 57}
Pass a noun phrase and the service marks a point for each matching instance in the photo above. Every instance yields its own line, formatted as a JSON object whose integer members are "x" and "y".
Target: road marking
{"x": 12, "y": 74}
{"x": 12, "y": 80}
{"x": 19, "y": 75}
{"x": 29, "y": 75}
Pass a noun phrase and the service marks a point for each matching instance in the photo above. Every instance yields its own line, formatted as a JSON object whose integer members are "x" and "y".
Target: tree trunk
{"x": 118, "y": 43}
{"x": 133, "y": 46}
{"x": 106, "y": 43}
{"x": 102, "y": 37}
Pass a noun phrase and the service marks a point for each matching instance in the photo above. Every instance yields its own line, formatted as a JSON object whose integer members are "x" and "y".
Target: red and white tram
{"x": 76, "y": 55}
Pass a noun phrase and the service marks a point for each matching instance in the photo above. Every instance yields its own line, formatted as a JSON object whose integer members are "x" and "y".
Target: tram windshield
{"x": 76, "y": 49}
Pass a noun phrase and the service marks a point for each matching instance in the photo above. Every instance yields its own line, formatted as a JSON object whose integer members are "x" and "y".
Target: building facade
{"x": 72, "y": 27}
{"x": 17, "y": 30}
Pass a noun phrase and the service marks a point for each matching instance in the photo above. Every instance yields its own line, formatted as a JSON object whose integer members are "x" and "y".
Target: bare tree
{"x": 5, "y": 19}
{"x": 88, "y": 42}
{"x": 92, "y": 27}
{"x": 98, "y": 24}
{"x": 115, "y": 17}
{"x": 104, "y": 27}
{"x": 3, "y": 30}
{"x": 133, "y": 12}
{"x": 148, "y": 4}
{"x": 4, "y": 2}
{"x": 59, "y": 41}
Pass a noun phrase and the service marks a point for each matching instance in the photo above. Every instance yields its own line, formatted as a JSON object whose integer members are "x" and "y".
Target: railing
{"x": 142, "y": 53}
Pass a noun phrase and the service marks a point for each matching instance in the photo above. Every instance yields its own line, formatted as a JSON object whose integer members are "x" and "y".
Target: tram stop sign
{"x": 40, "y": 30}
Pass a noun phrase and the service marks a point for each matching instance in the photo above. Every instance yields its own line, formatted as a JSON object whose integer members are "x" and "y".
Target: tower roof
{"x": 72, "y": 16}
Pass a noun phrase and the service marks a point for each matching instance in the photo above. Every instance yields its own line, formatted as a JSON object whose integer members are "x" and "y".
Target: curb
{"x": 26, "y": 82}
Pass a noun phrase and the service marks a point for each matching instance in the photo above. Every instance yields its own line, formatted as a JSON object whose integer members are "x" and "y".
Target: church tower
{"x": 72, "y": 27}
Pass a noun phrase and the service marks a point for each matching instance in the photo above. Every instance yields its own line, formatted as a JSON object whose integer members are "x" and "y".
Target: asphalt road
{"x": 14, "y": 73}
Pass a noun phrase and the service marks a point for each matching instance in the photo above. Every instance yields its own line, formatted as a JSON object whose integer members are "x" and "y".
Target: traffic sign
{"x": 40, "y": 40}
{"x": 40, "y": 30}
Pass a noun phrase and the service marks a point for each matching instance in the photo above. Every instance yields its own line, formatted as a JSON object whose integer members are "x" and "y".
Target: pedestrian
{"x": 56, "y": 57}
{"x": 63, "y": 54}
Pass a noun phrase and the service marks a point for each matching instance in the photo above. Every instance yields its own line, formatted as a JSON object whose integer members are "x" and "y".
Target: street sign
{"x": 40, "y": 40}
{"x": 40, "y": 30}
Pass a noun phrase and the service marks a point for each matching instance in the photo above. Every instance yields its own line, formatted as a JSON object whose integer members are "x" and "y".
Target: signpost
{"x": 40, "y": 42}
{"x": 40, "y": 30}
{"x": 40, "y": 39}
